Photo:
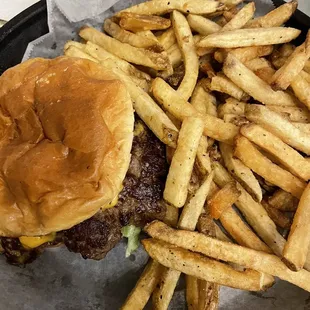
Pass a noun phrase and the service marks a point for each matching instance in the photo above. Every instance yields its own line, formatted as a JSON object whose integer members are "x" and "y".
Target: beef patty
{"x": 139, "y": 202}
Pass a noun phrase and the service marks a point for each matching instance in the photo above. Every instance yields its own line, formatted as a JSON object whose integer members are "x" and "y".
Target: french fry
{"x": 132, "y": 54}
{"x": 284, "y": 154}
{"x": 167, "y": 39}
{"x": 146, "y": 284}
{"x": 171, "y": 216}
{"x": 305, "y": 75}
{"x": 231, "y": 13}
{"x": 231, "y": 106}
{"x": 163, "y": 293}
{"x": 295, "y": 114}
{"x": 205, "y": 66}
{"x": 275, "y": 18}
{"x": 204, "y": 268}
{"x": 192, "y": 210}
{"x": 223, "y": 200}
{"x": 279, "y": 126}
{"x": 140, "y": 22}
{"x": 203, "y": 101}
{"x": 183, "y": 160}
{"x": 220, "y": 235}
{"x": 292, "y": 67}
{"x": 260, "y": 164}
{"x": 203, "y": 161}
{"x": 176, "y": 105}
{"x": 229, "y": 252}
{"x": 74, "y": 51}
{"x": 222, "y": 84}
{"x": 242, "y": 173}
{"x": 258, "y": 64}
{"x": 175, "y": 56}
{"x": 303, "y": 127}
{"x": 192, "y": 293}
{"x": 280, "y": 219}
{"x": 301, "y": 88}
{"x": 241, "y": 18}
{"x": 188, "y": 220}
{"x": 249, "y": 37}
{"x": 238, "y": 120}
{"x": 253, "y": 85}
{"x": 307, "y": 66}
{"x": 186, "y": 44}
{"x": 115, "y": 31}
{"x": 283, "y": 201}
{"x": 240, "y": 232}
{"x": 202, "y": 25}
{"x": 254, "y": 212}
{"x": 160, "y": 7}
{"x": 296, "y": 248}
{"x": 244, "y": 54}
{"x": 142, "y": 79}
{"x": 265, "y": 74}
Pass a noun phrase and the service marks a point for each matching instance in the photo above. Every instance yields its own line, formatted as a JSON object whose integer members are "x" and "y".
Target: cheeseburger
{"x": 76, "y": 166}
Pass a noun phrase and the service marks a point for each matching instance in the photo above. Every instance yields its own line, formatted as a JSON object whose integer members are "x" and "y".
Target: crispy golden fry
{"x": 284, "y": 154}
{"x": 238, "y": 120}
{"x": 231, "y": 3}
{"x": 229, "y": 252}
{"x": 231, "y": 13}
{"x": 204, "y": 268}
{"x": 160, "y": 7}
{"x": 208, "y": 295}
{"x": 240, "y": 18}
{"x": 275, "y": 18}
{"x": 303, "y": 127}
{"x": 176, "y": 105}
{"x": 74, "y": 51}
{"x": 145, "y": 286}
{"x": 279, "y": 126}
{"x": 296, "y": 249}
{"x": 186, "y": 44}
{"x": 295, "y": 114}
{"x": 203, "y": 161}
{"x": 223, "y": 200}
{"x": 253, "y": 85}
{"x": 307, "y": 66}
{"x": 192, "y": 210}
{"x": 254, "y": 212}
{"x": 231, "y": 106}
{"x": 220, "y": 235}
{"x": 163, "y": 293}
{"x": 175, "y": 55}
{"x": 205, "y": 66}
{"x": 283, "y": 201}
{"x": 222, "y": 84}
{"x": 183, "y": 160}
{"x": 250, "y": 37}
{"x": 301, "y": 88}
{"x": 280, "y": 219}
{"x": 115, "y": 31}
{"x": 260, "y": 164}
{"x": 125, "y": 51}
{"x": 140, "y": 22}
{"x": 142, "y": 79}
{"x": 203, "y": 101}
{"x": 202, "y": 25}
{"x": 265, "y": 74}
{"x": 240, "y": 232}
{"x": 258, "y": 64}
{"x": 192, "y": 293}
{"x": 167, "y": 39}
{"x": 242, "y": 173}
{"x": 244, "y": 54}
{"x": 305, "y": 75}
{"x": 292, "y": 67}
{"x": 171, "y": 216}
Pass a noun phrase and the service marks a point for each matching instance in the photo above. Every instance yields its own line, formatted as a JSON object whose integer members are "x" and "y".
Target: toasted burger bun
{"x": 66, "y": 130}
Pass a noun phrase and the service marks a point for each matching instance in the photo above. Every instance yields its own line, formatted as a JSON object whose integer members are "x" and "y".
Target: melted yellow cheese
{"x": 34, "y": 242}
{"x": 114, "y": 202}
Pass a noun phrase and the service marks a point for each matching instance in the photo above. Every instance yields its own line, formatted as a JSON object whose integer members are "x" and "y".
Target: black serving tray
{"x": 18, "y": 32}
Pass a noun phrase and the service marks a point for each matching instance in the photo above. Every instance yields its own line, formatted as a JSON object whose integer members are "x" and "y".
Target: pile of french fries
{"x": 229, "y": 96}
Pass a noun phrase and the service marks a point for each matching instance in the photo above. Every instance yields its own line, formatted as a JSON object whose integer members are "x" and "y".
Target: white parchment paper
{"x": 60, "y": 280}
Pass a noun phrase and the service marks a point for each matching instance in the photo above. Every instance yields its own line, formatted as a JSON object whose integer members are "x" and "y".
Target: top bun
{"x": 66, "y": 130}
